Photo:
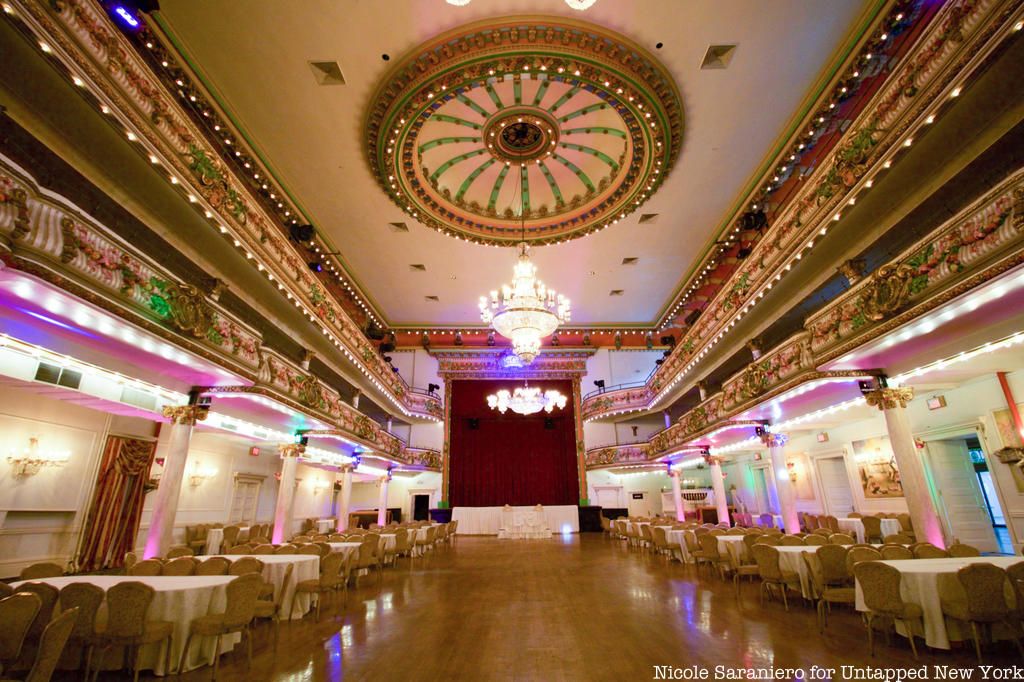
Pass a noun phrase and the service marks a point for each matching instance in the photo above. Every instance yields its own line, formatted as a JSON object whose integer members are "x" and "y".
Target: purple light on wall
{"x": 126, "y": 16}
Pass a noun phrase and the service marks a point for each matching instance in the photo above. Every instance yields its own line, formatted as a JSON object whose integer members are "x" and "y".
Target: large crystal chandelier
{"x": 526, "y": 400}
{"x": 527, "y": 311}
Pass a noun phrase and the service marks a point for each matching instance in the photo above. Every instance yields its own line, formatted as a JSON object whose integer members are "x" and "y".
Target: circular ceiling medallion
{"x": 560, "y": 127}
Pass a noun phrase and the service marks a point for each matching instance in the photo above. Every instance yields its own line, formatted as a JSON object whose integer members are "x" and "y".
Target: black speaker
{"x": 743, "y": 253}
{"x": 692, "y": 317}
{"x": 386, "y": 348}
{"x": 473, "y": 423}
{"x": 374, "y": 332}
{"x": 669, "y": 340}
{"x": 302, "y": 233}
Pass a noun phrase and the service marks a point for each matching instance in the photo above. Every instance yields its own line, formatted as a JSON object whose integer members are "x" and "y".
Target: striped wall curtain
{"x": 113, "y": 520}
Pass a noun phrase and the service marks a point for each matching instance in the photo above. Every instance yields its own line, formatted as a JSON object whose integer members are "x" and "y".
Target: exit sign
{"x": 254, "y": 451}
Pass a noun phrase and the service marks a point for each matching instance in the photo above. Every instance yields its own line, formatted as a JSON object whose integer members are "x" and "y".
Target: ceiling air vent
{"x": 718, "y": 56}
{"x": 418, "y": 267}
{"x": 54, "y": 374}
{"x": 327, "y": 73}
{"x": 648, "y": 218}
{"x": 398, "y": 227}
{"x": 432, "y": 299}
{"x": 631, "y": 260}
{"x": 616, "y": 292}
{"x": 143, "y": 399}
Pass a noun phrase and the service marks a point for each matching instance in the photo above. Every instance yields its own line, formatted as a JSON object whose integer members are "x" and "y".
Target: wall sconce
{"x": 793, "y": 471}
{"x": 31, "y": 460}
{"x": 200, "y": 473}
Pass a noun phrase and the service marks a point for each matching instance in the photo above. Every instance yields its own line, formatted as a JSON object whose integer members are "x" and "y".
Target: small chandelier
{"x": 526, "y": 400}
{"x": 527, "y": 311}
{"x": 31, "y": 460}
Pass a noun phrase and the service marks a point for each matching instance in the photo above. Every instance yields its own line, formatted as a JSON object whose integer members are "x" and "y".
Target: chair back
{"x": 985, "y": 586}
{"x": 368, "y": 550}
{"x": 771, "y": 539}
{"x": 41, "y": 570}
{"x": 926, "y": 550}
{"x": 854, "y": 515}
{"x": 47, "y": 600}
{"x": 127, "y": 604}
{"x": 130, "y": 559}
{"x": 87, "y": 598}
{"x": 17, "y": 613}
{"x": 709, "y": 545}
{"x": 960, "y": 551}
{"x": 822, "y": 531}
{"x": 240, "y": 549}
{"x": 832, "y": 523}
{"x": 242, "y": 593}
{"x": 880, "y": 585}
{"x": 841, "y": 539}
{"x": 263, "y": 549}
{"x": 872, "y": 527}
{"x": 767, "y": 559}
{"x": 323, "y": 548}
{"x": 858, "y": 554}
{"x": 287, "y": 548}
{"x": 905, "y": 523}
{"x": 147, "y": 567}
{"x": 184, "y": 565}
{"x": 51, "y": 646}
{"x": 402, "y": 539}
{"x": 176, "y": 552}
{"x": 245, "y": 565}
{"x": 690, "y": 537}
{"x": 336, "y": 537}
{"x": 815, "y": 539}
{"x": 896, "y": 553}
{"x": 810, "y": 521}
{"x": 330, "y": 569}
{"x": 832, "y": 559}
{"x": 309, "y": 550}
{"x": 791, "y": 541}
{"x": 898, "y": 539}
{"x": 230, "y": 535}
{"x": 215, "y": 565}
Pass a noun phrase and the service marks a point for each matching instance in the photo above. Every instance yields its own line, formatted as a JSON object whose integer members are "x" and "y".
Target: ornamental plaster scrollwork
{"x": 186, "y": 414}
{"x": 887, "y": 291}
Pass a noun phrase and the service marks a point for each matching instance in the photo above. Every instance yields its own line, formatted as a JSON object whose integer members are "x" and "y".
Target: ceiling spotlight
{"x": 458, "y": 3}
{"x": 579, "y": 5}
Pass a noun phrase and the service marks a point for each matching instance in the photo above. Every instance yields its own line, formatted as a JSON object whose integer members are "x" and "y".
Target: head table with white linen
{"x": 919, "y": 584}
{"x": 306, "y": 567}
{"x": 855, "y": 527}
{"x": 488, "y": 520}
{"x": 177, "y": 599}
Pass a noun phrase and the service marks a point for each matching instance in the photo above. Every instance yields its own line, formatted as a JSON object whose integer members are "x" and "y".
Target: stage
{"x": 487, "y": 520}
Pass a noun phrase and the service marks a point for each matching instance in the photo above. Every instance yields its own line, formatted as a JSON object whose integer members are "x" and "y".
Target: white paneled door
{"x": 243, "y": 501}
{"x": 959, "y": 495}
{"x": 835, "y": 485}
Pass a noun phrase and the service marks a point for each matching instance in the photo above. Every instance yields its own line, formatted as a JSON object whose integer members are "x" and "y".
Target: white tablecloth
{"x": 487, "y": 520}
{"x": 732, "y": 545}
{"x": 791, "y": 559}
{"x": 307, "y": 567}
{"x": 178, "y": 600}
{"x": 678, "y": 537}
{"x": 215, "y": 537}
{"x": 346, "y": 548}
{"x": 325, "y": 526}
{"x": 920, "y": 585}
{"x": 855, "y": 527}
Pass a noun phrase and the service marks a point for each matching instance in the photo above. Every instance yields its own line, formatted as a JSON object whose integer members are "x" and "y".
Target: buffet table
{"x": 488, "y": 520}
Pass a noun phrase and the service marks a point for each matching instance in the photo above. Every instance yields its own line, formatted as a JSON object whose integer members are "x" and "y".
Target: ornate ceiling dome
{"x": 569, "y": 123}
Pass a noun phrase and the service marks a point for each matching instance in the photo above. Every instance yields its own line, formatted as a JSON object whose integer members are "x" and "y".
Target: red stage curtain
{"x": 510, "y": 458}
{"x": 113, "y": 519}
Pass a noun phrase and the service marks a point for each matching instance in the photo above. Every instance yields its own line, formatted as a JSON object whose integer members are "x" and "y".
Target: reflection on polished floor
{"x": 576, "y": 607}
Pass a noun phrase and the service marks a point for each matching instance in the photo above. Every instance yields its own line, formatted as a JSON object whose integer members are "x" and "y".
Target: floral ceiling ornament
{"x": 584, "y": 123}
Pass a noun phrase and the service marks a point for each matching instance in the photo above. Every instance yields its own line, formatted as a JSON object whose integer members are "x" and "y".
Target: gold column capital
{"x": 186, "y": 414}
{"x": 291, "y": 450}
{"x": 890, "y": 398}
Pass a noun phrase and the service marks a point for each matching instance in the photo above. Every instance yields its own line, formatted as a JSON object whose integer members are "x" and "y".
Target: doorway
{"x": 835, "y": 485}
{"x": 638, "y": 504}
{"x": 762, "y": 497}
{"x": 420, "y": 507}
{"x": 958, "y": 468}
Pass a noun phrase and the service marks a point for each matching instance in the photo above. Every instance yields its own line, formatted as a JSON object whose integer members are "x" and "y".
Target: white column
{"x": 290, "y": 453}
{"x": 677, "y": 495}
{"x": 382, "y": 502}
{"x": 668, "y": 418}
{"x": 893, "y": 402}
{"x": 776, "y": 443}
{"x": 346, "y": 497}
{"x": 165, "y": 504}
{"x": 355, "y": 398}
{"x": 718, "y": 485}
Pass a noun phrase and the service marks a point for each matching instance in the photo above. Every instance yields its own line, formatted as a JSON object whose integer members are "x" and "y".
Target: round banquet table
{"x": 325, "y": 526}
{"x": 919, "y": 583}
{"x": 307, "y": 567}
{"x": 176, "y": 599}
{"x": 346, "y": 548}
{"x": 215, "y": 538}
{"x": 855, "y": 527}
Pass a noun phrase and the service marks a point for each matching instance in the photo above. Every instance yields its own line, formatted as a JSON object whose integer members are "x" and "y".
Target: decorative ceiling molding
{"x": 556, "y": 126}
{"x": 78, "y": 38}
{"x": 910, "y": 101}
{"x": 493, "y": 364}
